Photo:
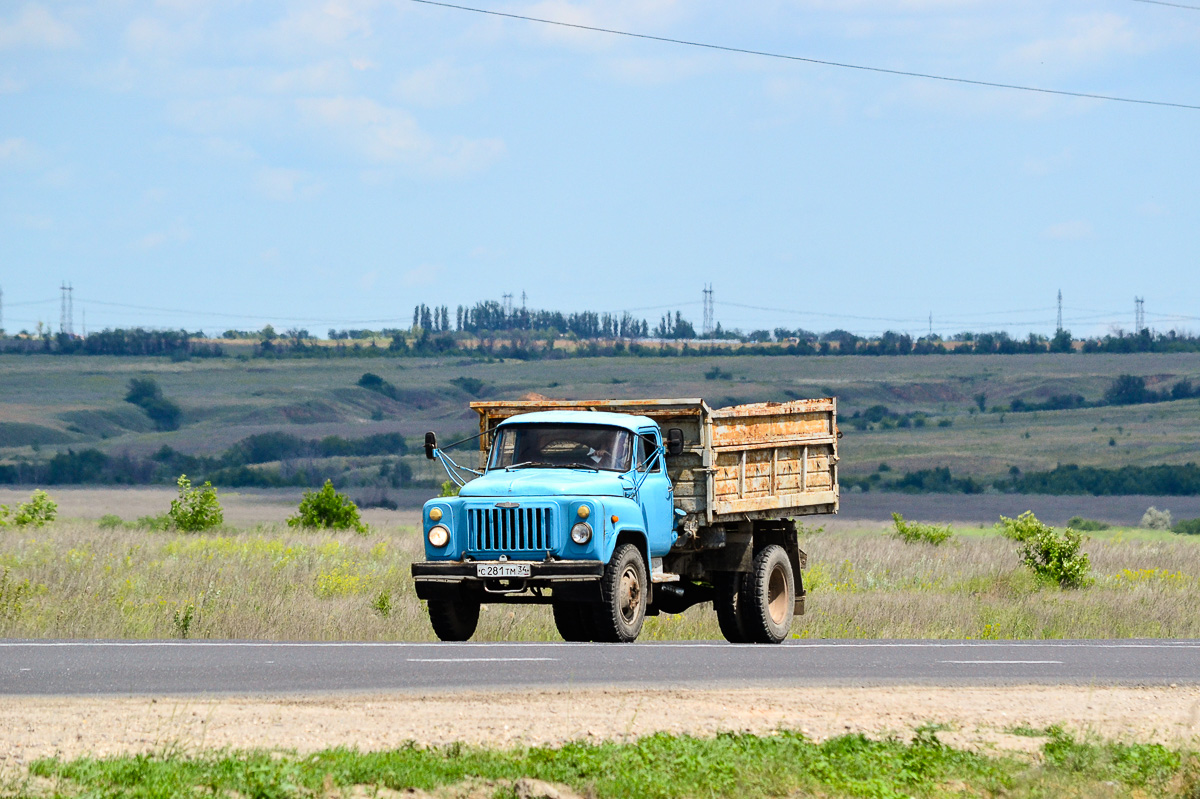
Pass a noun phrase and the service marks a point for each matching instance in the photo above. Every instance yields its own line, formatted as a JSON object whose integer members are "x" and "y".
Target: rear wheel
{"x": 573, "y": 620}
{"x": 768, "y": 597}
{"x": 728, "y": 587}
{"x": 620, "y": 616}
{"x": 454, "y": 619}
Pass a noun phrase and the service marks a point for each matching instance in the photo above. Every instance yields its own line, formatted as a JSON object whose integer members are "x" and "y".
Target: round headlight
{"x": 435, "y": 514}
{"x": 581, "y": 533}
{"x": 439, "y": 536}
{"x": 584, "y": 511}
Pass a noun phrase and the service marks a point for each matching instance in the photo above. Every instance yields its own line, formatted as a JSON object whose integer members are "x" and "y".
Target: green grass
{"x": 79, "y": 401}
{"x": 76, "y": 579}
{"x": 728, "y": 765}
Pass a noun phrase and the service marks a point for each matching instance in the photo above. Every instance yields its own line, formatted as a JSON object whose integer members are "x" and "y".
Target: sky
{"x": 215, "y": 164}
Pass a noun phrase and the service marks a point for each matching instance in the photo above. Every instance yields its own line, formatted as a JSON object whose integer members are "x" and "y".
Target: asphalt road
{"x": 258, "y": 667}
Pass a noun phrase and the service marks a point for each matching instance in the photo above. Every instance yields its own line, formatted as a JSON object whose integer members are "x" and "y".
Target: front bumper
{"x": 571, "y": 580}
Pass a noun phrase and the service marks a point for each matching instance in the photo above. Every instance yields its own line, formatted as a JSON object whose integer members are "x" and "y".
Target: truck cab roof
{"x": 623, "y": 420}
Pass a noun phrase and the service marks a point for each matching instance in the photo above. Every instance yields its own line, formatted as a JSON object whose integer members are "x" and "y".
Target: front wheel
{"x": 768, "y": 597}
{"x": 619, "y": 617}
{"x": 573, "y": 620}
{"x": 454, "y": 619}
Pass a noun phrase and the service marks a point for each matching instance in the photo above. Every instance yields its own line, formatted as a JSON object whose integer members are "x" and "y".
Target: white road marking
{"x": 973, "y": 662}
{"x": 477, "y": 660}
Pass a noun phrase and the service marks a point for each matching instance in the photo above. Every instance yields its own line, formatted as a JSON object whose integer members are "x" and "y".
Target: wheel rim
{"x": 777, "y": 595}
{"x": 631, "y": 595}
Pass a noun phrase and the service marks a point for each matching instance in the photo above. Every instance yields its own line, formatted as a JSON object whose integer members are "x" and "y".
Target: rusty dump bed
{"x": 766, "y": 460}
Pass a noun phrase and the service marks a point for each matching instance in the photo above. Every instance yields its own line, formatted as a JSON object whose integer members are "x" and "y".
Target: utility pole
{"x": 1, "y": 309}
{"x": 1059, "y": 327}
{"x": 1139, "y": 314}
{"x": 522, "y": 302}
{"x": 62, "y": 308}
{"x": 70, "y": 310}
{"x": 507, "y": 298}
{"x": 707, "y": 327}
{"x": 931, "y": 324}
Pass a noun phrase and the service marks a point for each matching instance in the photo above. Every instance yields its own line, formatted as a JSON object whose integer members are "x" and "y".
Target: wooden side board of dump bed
{"x": 766, "y": 460}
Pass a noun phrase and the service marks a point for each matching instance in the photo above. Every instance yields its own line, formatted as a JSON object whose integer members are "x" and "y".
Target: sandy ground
{"x": 32, "y": 727}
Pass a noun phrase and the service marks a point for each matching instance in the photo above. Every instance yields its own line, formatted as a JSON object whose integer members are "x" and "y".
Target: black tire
{"x": 619, "y": 617}
{"x": 573, "y": 620}
{"x": 728, "y": 606}
{"x": 454, "y": 620}
{"x": 768, "y": 597}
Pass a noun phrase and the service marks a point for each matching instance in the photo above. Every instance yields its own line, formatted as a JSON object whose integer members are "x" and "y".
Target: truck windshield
{"x": 562, "y": 445}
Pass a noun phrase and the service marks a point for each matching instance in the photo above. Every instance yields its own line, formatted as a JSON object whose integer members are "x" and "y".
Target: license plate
{"x": 502, "y": 570}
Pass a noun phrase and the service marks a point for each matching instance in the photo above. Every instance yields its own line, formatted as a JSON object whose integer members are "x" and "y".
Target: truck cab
{"x": 575, "y": 505}
{"x": 560, "y": 493}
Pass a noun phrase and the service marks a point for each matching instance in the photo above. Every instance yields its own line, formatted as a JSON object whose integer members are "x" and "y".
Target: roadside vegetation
{"x": 656, "y": 766}
{"x": 145, "y": 578}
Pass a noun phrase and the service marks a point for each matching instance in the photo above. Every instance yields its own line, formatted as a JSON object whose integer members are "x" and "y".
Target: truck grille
{"x": 509, "y": 529}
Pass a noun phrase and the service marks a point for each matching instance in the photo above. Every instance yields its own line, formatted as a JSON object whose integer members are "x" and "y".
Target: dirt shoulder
{"x": 32, "y": 727}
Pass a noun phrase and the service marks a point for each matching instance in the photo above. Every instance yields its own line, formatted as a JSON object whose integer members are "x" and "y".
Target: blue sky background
{"x": 330, "y": 164}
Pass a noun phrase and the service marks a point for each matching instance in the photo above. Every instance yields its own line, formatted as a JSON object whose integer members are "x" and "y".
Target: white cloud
{"x": 439, "y": 84}
{"x": 1089, "y": 40}
{"x": 385, "y": 135}
{"x": 286, "y": 185}
{"x": 637, "y": 15}
{"x": 652, "y": 71}
{"x": 176, "y": 234}
{"x": 20, "y": 153}
{"x": 1042, "y": 166}
{"x": 423, "y": 275}
{"x": 1073, "y": 230}
{"x": 322, "y": 25}
{"x": 34, "y": 26}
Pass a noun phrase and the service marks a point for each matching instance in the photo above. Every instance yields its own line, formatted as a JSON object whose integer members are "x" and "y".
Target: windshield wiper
{"x": 523, "y": 464}
{"x": 576, "y": 466}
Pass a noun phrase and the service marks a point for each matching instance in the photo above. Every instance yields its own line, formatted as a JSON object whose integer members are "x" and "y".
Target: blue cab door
{"x": 657, "y": 496}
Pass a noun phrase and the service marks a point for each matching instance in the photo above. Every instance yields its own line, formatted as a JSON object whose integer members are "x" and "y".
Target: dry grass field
{"x": 75, "y": 579}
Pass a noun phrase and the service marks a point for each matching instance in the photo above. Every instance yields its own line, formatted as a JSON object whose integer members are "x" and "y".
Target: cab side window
{"x": 646, "y": 452}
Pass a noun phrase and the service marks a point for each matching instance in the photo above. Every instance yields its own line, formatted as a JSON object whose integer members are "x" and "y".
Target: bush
{"x": 449, "y": 489}
{"x": 1187, "y": 526}
{"x": 915, "y": 532}
{"x": 1155, "y": 519}
{"x": 196, "y": 509}
{"x": 1052, "y": 557}
{"x": 1086, "y": 525}
{"x": 37, "y": 512}
{"x": 327, "y": 509}
{"x": 146, "y": 394}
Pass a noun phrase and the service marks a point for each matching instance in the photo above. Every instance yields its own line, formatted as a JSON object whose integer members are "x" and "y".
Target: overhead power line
{"x": 1172, "y": 5}
{"x": 822, "y": 62}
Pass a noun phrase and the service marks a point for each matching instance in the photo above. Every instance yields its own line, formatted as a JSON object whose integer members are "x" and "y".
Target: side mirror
{"x": 430, "y": 444}
{"x": 674, "y": 441}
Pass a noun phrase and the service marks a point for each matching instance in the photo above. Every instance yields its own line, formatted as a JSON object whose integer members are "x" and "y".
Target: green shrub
{"x": 110, "y": 521}
{"x": 327, "y": 509}
{"x": 1052, "y": 557}
{"x": 196, "y": 509}
{"x": 37, "y": 512}
{"x": 449, "y": 489}
{"x": 1187, "y": 526}
{"x": 916, "y": 532}
{"x": 1086, "y": 525}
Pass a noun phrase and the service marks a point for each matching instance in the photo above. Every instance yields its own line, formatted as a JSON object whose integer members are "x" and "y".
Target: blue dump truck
{"x": 613, "y": 510}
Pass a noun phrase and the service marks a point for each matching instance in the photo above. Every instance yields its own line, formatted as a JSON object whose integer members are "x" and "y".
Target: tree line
{"x": 241, "y": 465}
